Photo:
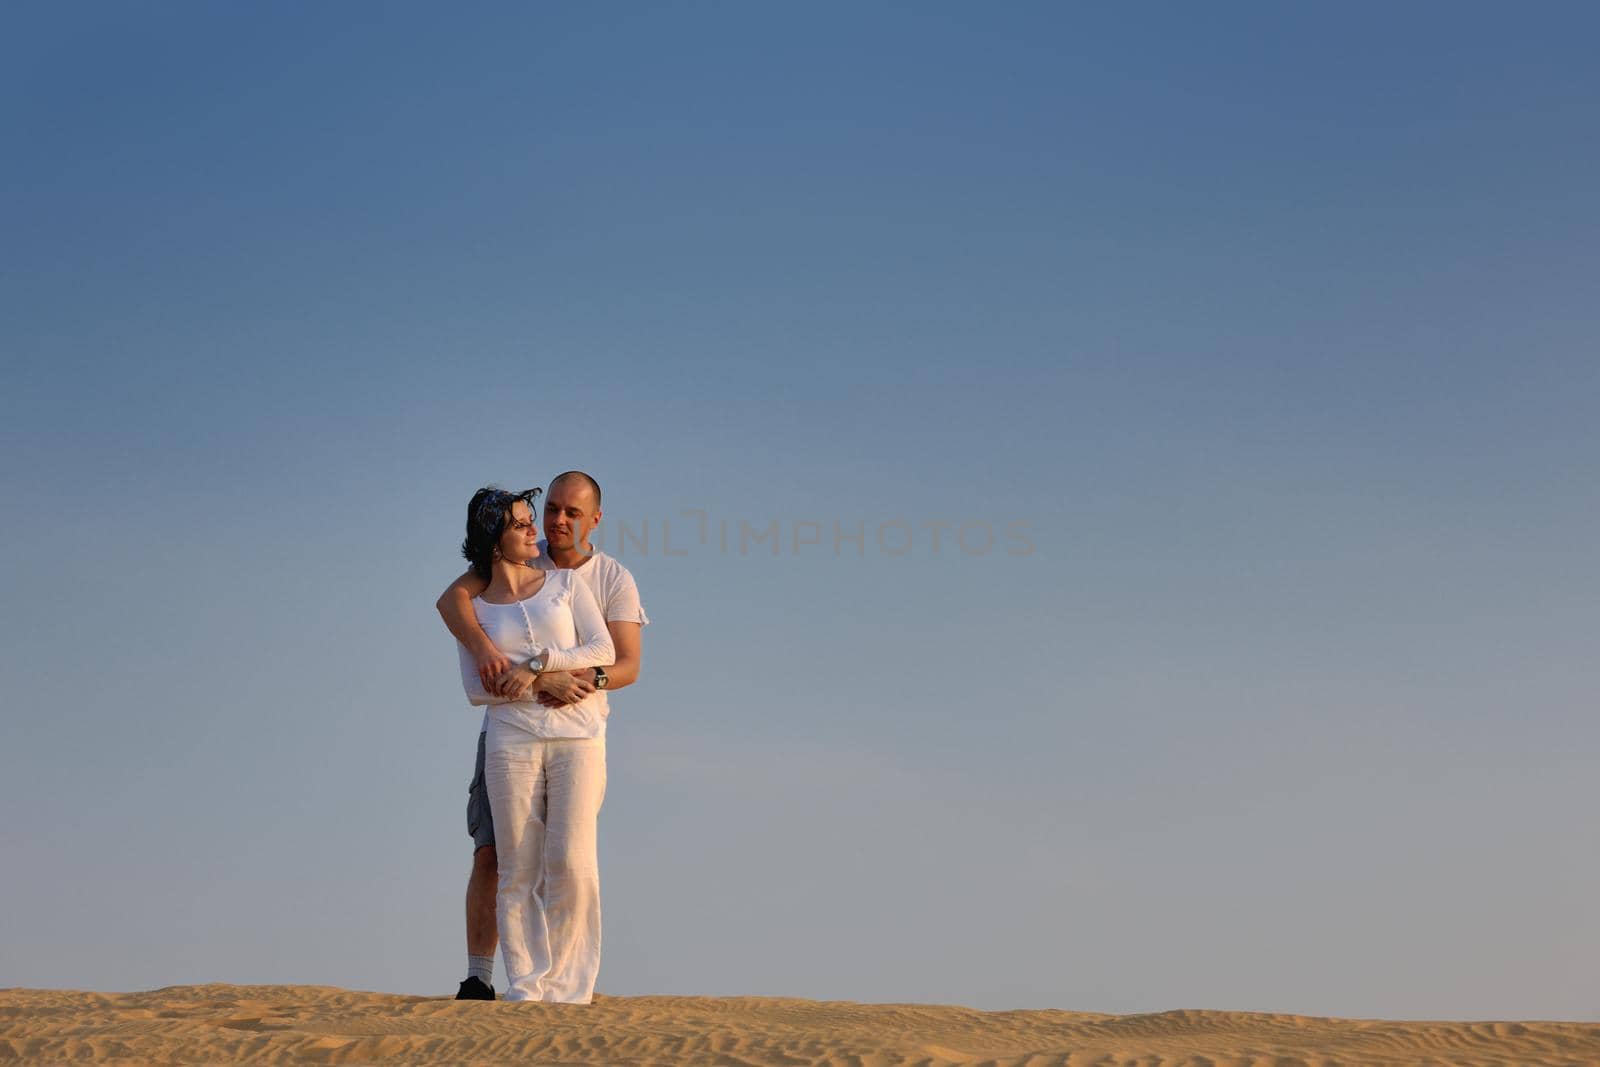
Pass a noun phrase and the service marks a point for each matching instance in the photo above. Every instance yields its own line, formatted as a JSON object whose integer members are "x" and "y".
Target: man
{"x": 571, "y": 511}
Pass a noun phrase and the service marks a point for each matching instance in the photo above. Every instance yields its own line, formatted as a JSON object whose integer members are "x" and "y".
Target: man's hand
{"x": 560, "y": 688}
{"x": 492, "y": 666}
{"x": 518, "y": 683}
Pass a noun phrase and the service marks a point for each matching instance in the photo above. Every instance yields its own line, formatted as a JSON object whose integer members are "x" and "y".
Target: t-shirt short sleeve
{"x": 622, "y": 597}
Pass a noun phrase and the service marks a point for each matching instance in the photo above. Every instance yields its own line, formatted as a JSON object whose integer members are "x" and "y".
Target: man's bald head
{"x": 571, "y": 510}
{"x": 575, "y": 479}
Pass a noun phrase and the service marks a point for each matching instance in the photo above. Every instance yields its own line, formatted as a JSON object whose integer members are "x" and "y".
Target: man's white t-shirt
{"x": 614, "y": 589}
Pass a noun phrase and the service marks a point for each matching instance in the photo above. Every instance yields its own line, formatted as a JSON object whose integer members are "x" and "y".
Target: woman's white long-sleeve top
{"x": 563, "y": 619}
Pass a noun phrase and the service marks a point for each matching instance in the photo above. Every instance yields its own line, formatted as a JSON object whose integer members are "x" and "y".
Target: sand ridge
{"x": 320, "y": 1024}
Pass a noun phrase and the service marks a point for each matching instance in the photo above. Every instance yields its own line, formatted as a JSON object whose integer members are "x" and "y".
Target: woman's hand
{"x": 559, "y": 688}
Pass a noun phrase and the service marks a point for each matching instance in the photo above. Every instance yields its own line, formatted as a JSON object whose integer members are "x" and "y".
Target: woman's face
{"x": 519, "y": 542}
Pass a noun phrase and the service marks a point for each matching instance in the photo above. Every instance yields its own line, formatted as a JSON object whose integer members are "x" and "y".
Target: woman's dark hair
{"x": 487, "y": 515}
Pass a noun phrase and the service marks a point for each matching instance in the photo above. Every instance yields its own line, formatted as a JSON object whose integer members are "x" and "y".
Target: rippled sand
{"x": 223, "y": 1023}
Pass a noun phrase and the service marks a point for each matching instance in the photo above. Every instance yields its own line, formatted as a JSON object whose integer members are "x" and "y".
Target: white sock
{"x": 481, "y": 968}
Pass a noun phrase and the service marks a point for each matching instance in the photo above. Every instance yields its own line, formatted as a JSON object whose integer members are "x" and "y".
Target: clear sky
{"x": 1214, "y": 390}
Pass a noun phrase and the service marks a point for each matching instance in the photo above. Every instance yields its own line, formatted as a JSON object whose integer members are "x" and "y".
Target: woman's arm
{"x": 557, "y": 689}
{"x": 595, "y": 648}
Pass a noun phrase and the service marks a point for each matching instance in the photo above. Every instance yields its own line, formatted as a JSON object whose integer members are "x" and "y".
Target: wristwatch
{"x": 600, "y": 679}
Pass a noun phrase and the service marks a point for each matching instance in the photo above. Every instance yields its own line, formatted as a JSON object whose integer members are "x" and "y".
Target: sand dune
{"x": 223, "y": 1023}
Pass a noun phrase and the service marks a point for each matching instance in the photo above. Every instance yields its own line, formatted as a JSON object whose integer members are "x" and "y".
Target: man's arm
{"x": 455, "y": 608}
{"x": 627, "y": 638}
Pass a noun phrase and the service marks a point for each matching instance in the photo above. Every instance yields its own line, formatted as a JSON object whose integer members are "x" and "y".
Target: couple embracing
{"x": 546, "y": 629}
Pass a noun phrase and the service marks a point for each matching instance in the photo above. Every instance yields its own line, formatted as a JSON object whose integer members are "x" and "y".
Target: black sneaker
{"x": 475, "y": 989}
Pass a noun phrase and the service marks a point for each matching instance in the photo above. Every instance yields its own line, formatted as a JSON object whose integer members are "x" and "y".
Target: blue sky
{"x": 1272, "y": 329}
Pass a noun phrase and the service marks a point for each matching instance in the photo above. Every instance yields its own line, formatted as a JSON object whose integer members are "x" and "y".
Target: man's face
{"x": 569, "y": 514}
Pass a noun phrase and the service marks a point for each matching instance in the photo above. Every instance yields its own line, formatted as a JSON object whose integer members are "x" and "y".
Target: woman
{"x": 545, "y": 767}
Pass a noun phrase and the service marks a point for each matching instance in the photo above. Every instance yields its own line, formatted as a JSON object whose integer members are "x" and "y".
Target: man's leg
{"x": 482, "y": 937}
{"x": 481, "y": 884}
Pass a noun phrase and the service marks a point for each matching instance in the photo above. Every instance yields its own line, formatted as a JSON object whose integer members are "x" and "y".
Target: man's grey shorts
{"x": 480, "y": 820}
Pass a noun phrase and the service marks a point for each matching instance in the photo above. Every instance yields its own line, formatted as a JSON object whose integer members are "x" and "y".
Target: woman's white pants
{"x": 546, "y": 798}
